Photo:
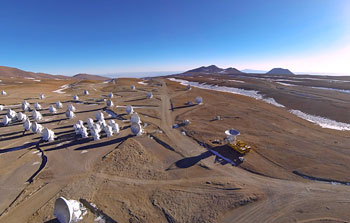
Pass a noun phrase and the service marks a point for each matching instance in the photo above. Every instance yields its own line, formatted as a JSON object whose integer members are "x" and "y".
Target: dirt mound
{"x": 131, "y": 160}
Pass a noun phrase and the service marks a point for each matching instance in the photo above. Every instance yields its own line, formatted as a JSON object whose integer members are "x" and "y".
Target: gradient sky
{"x": 105, "y": 36}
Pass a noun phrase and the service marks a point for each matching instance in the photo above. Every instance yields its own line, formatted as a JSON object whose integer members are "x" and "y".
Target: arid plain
{"x": 297, "y": 171}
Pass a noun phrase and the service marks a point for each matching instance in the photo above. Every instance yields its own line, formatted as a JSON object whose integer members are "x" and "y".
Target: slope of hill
{"x": 280, "y": 71}
{"x": 90, "y": 77}
{"x": 10, "y": 72}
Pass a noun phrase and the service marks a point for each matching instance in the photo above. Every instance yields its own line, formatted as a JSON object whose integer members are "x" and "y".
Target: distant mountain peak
{"x": 83, "y": 76}
{"x": 280, "y": 71}
{"x": 214, "y": 69}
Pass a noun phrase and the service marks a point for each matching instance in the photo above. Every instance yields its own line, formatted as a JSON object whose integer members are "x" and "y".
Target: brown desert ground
{"x": 295, "y": 172}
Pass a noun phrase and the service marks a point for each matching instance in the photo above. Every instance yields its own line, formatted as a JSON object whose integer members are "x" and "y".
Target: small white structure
{"x": 37, "y": 115}
{"x": 90, "y": 123}
{"x": 71, "y": 108}
{"x": 59, "y": 105}
{"x": 75, "y": 97}
{"x": 21, "y": 116}
{"x": 199, "y": 100}
{"x": 108, "y": 130}
{"x": 110, "y": 103}
{"x": 68, "y": 211}
{"x": 2, "y": 107}
{"x": 6, "y": 120}
{"x": 42, "y": 96}
{"x": 231, "y": 135}
{"x": 135, "y": 118}
{"x": 96, "y": 127}
{"x": 11, "y": 113}
{"x": 52, "y": 109}
{"x": 25, "y": 105}
{"x": 37, "y": 106}
{"x": 186, "y": 122}
{"x": 70, "y": 114}
{"x": 3, "y": 92}
{"x": 136, "y": 129}
{"x": 100, "y": 116}
{"x": 188, "y": 87}
{"x": 77, "y": 128}
{"x": 133, "y": 87}
{"x": 37, "y": 128}
{"x": 149, "y": 95}
{"x": 102, "y": 123}
{"x": 110, "y": 95}
{"x": 27, "y": 125}
{"x": 96, "y": 134}
{"x": 48, "y": 135}
{"x": 86, "y": 92}
{"x": 129, "y": 109}
{"x": 83, "y": 132}
{"x": 115, "y": 126}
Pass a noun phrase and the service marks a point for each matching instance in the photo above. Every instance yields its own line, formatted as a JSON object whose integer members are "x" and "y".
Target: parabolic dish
{"x": 135, "y": 118}
{"x": 63, "y": 210}
{"x": 199, "y": 100}
{"x": 232, "y": 132}
{"x": 136, "y": 129}
{"x": 129, "y": 109}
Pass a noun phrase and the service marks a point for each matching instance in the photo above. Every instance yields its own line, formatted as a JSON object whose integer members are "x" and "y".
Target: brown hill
{"x": 9, "y": 72}
{"x": 90, "y": 77}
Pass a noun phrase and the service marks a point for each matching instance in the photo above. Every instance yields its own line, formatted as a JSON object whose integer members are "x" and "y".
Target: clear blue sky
{"x": 105, "y": 36}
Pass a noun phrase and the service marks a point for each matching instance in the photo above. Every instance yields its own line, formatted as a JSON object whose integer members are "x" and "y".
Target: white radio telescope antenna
{"x": 42, "y": 96}
{"x": 70, "y": 114}
{"x": 71, "y": 108}
{"x": 231, "y": 135}
{"x": 110, "y": 103}
{"x": 48, "y": 135}
{"x": 133, "y": 87}
{"x": 75, "y": 97}
{"x": 27, "y": 125}
{"x": 37, "y": 106}
{"x": 3, "y": 92}
{"x": 135, "y": 119}
{"x": 149, "y": 95}
{"x": 136, "y": 129}
{"x": 52, "y": 109}
{"x": 129, "y": 109}
{"x": 59, "y": 105}
{"x": 2, "y": 107}
{"x": 188, "y": 87}
{"x": 199, "y": 100}
{"x": 99, "y": 116}
{"x": 68, "y": 211}
{"x": 86, "y": 92}
{"x": 6, "y": 120}
{"x": 110, "y": 95}
{"x": 25, "y": 105}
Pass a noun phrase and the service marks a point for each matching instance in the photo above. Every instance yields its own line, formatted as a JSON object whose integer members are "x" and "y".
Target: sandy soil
{"x": 163, "y": 175}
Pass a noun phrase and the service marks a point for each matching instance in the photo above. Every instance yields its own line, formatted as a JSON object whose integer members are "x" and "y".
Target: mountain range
{"x": 8, "y": 72}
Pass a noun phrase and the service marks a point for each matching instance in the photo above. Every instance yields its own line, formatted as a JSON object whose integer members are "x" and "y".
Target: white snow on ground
{"x": 60, "y": 91}
{"x": 285, "y": 84}
{"x": 29, "y": 78}
{"x": 237, "y": 81}
{"x": 142, "y": 82}
{"x": 37, "y": 80}
{"x": 333, "y": 89}
{"x": 321, "y": 121}
{"x": 36, "y": 163}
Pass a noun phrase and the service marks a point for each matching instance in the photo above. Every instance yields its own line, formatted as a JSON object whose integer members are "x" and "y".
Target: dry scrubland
{"x": 165, "y": 176}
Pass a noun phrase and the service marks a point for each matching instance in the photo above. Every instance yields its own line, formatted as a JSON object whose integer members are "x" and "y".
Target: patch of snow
{"x": 285, "y": 84}
{"x": 321, "y": 121}
{"x": 333, "y": 89}
{"x": 142, "y": 82}
{"x": 35, "y": 163}
{"x": 37, "y": 80}
{"x": 60, "y": 91}
{"x": 238, "y": 81}
{"x": 29, "y": 78}
{"x": 84, "y": 151}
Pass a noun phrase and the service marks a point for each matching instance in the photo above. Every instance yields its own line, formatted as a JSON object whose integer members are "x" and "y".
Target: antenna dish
{"x": 68, "y": 211}
{"x": 3, "y": 92}
{"x": 1, "y": 107}
{"x": 110, "y": 95}
{"x": 100, "y": 116}
{"x": 11, "y": 113}
{"x": 75, "y": 97}
{"x": 129, "y": 109}
{"x": 25, "y": 105}
{"x": 135, "y": 119}
{"x": 70, "y": 114}
{"x": 188, "y": 87}
{"x": 37, "y": 106}
{"x": 149, "y": 95}
{"x": 37, "y": 128}
{"x": 59, "y": 104}
{"x": 42, "y": 96}
{"x": 6, "y": 120}
{"x": 48, "y": 135}
{"x": 86, "y": 92}
{"x": 71, "y": 108}
{"x": 36, "y": 115}
{"x": 231, "y": 135}
{"x": 136, "y": 129}
{"x": 21, "y": 116}
{"x": 199, "y": 100}
{"x": 52, "y": 109}
{"x": 27, "y": 125}
{"x": 110, "y": 103}
{"x": 133, "y": 87}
